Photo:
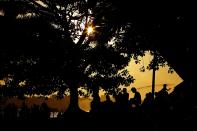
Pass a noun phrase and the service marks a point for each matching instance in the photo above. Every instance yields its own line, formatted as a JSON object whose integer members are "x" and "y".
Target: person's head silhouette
{"x": 164, "y": 89}
{"x": 165, "y": 86}
{"x": 133, "y": 89}
{"x": 124, "y": 90}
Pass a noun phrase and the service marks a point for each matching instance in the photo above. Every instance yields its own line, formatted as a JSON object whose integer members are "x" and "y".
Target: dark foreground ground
{"x": 107, "y": 121}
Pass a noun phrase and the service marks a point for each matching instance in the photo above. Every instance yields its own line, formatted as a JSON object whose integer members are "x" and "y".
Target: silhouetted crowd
{"x": 159, "y": 111}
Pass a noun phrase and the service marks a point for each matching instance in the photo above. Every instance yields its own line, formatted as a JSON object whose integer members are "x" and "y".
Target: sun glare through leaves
{"x": 90, "y": 30}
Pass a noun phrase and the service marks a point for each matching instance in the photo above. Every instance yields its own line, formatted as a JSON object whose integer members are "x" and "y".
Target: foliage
{"x": 54, "y": 51}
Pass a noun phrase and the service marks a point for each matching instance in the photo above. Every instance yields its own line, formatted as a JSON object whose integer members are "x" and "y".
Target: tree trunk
{"x": 73, "y": 106}
{"x": 95, "y": 105}
{"x": 153, "y": 76}
{"x": 95, "y": 92}
{"x": 153, "y": 83}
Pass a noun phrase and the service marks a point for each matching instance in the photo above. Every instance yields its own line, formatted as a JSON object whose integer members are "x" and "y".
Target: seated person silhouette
{"x": 162, "y": 97}
{"x": 136, "y": 100}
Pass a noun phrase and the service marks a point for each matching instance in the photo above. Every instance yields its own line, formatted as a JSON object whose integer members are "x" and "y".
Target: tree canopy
{"x": 46, "y": 44}
{"x": 49, "y": 43}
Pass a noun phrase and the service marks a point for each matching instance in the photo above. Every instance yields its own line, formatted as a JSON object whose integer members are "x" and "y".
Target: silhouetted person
{"x": 118, "y": 101}
{"x": 136, "y": 100}
{"x": 164, "y": 90}
{"x": 162, "y": 98}
{"x": 124, "y": 100}
{"x": 95, "y": 104}
{"x": 107, "y": 106}
{"x": 161, "y": 105}
{"x": 147, "y": 103}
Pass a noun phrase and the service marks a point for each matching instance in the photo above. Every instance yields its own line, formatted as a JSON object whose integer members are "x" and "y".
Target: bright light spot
{"x": 112, "y": 42}
{"x": 54, "y": 114}
{"x": 22, "y": 83}
{"x": 41, "y": 3}
{"x": 1, "y": 13}
{"x": 58, "y": 7}
{"x": 2, "y": 82}
{"x": 90, "y": 30}
{"x": 27, "y": 15}
{"x": 92, "y": 44}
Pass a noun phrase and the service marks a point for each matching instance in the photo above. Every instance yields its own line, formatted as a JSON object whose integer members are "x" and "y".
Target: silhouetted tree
{"x": 66, "y": 52}
{"x": 24, "y": 38}
{"x": 87, "y": 55}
